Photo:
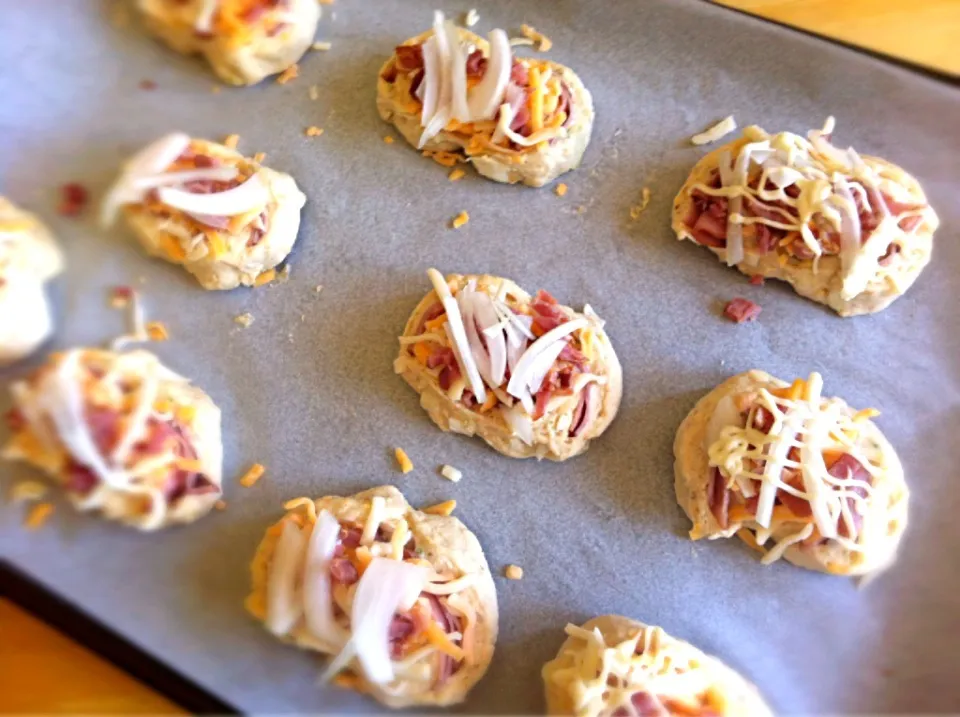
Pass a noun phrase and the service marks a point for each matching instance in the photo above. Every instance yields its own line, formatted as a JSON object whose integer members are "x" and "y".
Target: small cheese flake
{"x": 459, "y": 220}
{"x": 220, "y": 505}
{"x": 288, "y": 74}
{"x": 318, "y": 288}
{"x": 321, "y": 46}
{"x": 314, "y": 92}
{"x": 388, "y": 140}
{"x": 38, "y": 515}
{"x": 472, "y": 17}
{"x": 403, "y": 460}
{"x": 27, "y": 491}
{"x": 444, "y": 159}
{"x": 513, "y": 572}
{"x": 156, "y": 331}
{"x": 265, "y": 277}
{"x": 560, "y": 190}
{"x": 718, "y": 131}
{"x": 445, "y": 508}
{"x": 637, "y": 209}
{"x": 254, "y": 474}
{"x": 259, "y": 157}
{"x": 244, "y": 320}
{"x": 451, "y": 474}
{"x": 231, "y": 141}
{"x": 313, "y": 131}
{"x": 531, "y": 33}
{"x": 186, "y": 414}
{"x": 456, "y": 175}
{"x": 865, "y": 415}
{"x": 216, "y": 89}
{"x": 521, "y": 42}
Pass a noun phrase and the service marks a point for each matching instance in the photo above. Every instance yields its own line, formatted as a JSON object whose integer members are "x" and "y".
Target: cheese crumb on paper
{"x": 388, "y": 140}
{"x": 265, "y": 277}
{"x": 157, "y": 331}
{"x": 531, "y": 33}
{"x": 291, "y": 73}
{"x": 459, "y": 220}
{"x": 513, "y": 572}
{"x": 38, "y": 515}
{"x": 244, "y": 320}
{"x": 718, "y": 131}
{"x": 313, "y": 131}
{"x": 472, "y": 17}
{"x": 259, "y": 157}
{"x": 231, "y": 141}
{"x": 252, "y": 475}
{"x": 456, "y": 175}
{"x": 313, "y": 92}
{"x": 451, "y": 474}
{"x": 560, "y": 190}
{"x": 216, "y": 89}
{"x": 403, "y": 460}
{"x": 321, "y": 46}
{"x": 637, "y": 209}
{"x": 445, "y": 508}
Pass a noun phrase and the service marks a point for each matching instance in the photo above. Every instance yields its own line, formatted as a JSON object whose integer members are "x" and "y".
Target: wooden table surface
{"x": 43, "y": 671}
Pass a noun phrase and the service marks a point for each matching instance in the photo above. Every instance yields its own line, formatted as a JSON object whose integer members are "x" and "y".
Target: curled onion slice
{"x": 283, "y": 608}
{"x": 522, "y": 376}
{"x": 519, "y": 421}
{"x": 725, "y": 414}
{"x": 430, "y": 83}
{"x": 487, "y": 96}
{"x": 317, "y": 597}
{"x": 458, "y": 335}
{"x": 251, "y": 194}
{"x": 488, "y": 320}
{"x": 458, "y": 75}
{"x": 169, "y": 179}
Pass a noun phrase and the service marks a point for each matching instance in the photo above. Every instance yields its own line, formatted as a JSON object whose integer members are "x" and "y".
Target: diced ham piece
{"x": 74, "y": 199}
{"x": 429, "y": 315}
{"x": 800, "y": 507}
{"x": 718, "y": 498}
{"x": 519, "y": 75}
{"x": 762, "y": 419}
{"x": 409, "y": 57}
{"x": 104, "y": 426}
{"x": 849, "y": 468}
{"x": 344, "y": 572}
{"x": 15, "y": 420}
{"x": 441, "y": 357}
{"x": 476, "y": 64}
{"x": 402, "y": 627}
{"x": 80, "y": 479}
{"x": 646, "y": 705}
{"x": 741, "y": 310}
{"x": 448, "y": 376}
{"x": 350, "y": 535}
{"x": 891, "y": 252}
{"x": 415, "y": 84}
{"x": 756, "y": 280}
{"x": 767, "y": 238}
{"x": 446, "y": 666}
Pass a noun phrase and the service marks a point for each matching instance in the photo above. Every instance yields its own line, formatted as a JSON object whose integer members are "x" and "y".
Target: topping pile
{"x": 805, "y": 199}
{"x": 237, "y": 19}
{"x": 791, "y": 458}
{"x": 494, "y": 101}
{"x": 647, "y": 674}
{"x": 363, "y": 592}
{"x": 107, "y": 424}
{"x": 497, "y": 353}
{"x": 200, "y": 198}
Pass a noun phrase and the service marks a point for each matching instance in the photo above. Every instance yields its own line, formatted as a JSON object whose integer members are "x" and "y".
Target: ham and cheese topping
{"x": 491, "y": 100}
{"x": 792, "y": 464}
{"x": 108, "y": 425}
{"x": 804, "y": 199}
{"x": 362, "y": 592}
{"x": 518, "y": 358}
{"x": 237, "y": 22}
{"x": 207, "y": 201}
{"x": 649, "y": 674}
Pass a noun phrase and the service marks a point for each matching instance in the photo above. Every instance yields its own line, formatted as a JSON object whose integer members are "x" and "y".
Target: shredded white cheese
{"x": 720, "y": 130}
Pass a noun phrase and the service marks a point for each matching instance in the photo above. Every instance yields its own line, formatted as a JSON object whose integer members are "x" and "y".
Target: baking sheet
{"x": 309, "y": 391}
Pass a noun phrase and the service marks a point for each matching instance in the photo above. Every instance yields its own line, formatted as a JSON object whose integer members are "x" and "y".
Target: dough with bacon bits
{"x": 121, "y": 434}
{"x": 847, "y": 231}
{"x": 243, "y": 40}
{"x": 225, "y": 218}
{"x": 427, "y": 635}
{"x": 793, "y": 473}
{"x": 543, "y": 383}
{"x": 515, "y": 119}
{"x": 615, "y": 665}
{"x": 29, "y": 258}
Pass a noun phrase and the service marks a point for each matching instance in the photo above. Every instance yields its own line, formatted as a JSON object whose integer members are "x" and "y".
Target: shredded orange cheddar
{"x": 157, "y": 331}
{"x": 459, "y": 220}
{"x": 446, "y": 159}
{"x": 456, "y": 175}
{"x": 489, "y": 403}
{"x": 445, "y": 508}
{"x": 388, "y": 140}
{"x": 345, "y": 679}
{"x": 435, "y": 634}
{"x": 231, "y": 141}
{"x": 436, "y": 324}
{"x": 186, "y": 414}
{"x": 543, "y": 42}
{"x": 406, "y": 465}
{"x": 513, "y": 572}
{"x": 220, "y": 505}
{"x": 288, "y": 74}
{"x": 218, "y": 247}
{"x": 259, "y": 157}
{"x": 637, "y": 209}
{"x": 313, "y": 131}
{"x": 265, "y": 277}
{"x": 252, "y": 475}
{"x": 189, "y": 464}
{"x": 561, "y": 189}
{"x": 38, "y": 515}
{"x": 421, "y": 352}
{"x": 865, "y": 414}
{"x": 321, "y": 46}
{"x": 162, "y": 405}
{"x": 172, "y": 247}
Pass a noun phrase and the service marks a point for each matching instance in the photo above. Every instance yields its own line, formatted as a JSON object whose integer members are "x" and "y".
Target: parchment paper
{"x": 309, "y": 391}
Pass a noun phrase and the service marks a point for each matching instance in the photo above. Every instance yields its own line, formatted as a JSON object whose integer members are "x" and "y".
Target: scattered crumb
{"x": 120, "y": 297}
{"x": 756, "y": 280}
{"x": 156, "y": 331}
{"x": 147, "y": 85}
{"x": 456, "y": 175}
{"x": 403, "y": 460}
{"x": 459, "y": 220}
{"x": 259, "y": 157}
{"x": 303, "y": 318}
{"x": 445, "y": 508}
{"x": 388, "y": 140}
{"x": 741, "y": 310}
{"x": 451, "y": 473}
{"x": 637, "y": 209}
{"x": 445, "y": 159}
{"x": 513, "y": 572}
{"x": 313, "y": 131}
{"x": 73, "y": 199}
{"x": 313, "y": 92}
{"x": 252, "y": 475}
{"x": 318, "y": 288}
{"x": 560, "y": 190}
{"x": 28, "y": 491}
{"x": 471, "y": 18}
{"x": 581, "y": 209}
{"x": 220, "y": 505}
{"x": 38, "y": 515}
{"x": 231, "y": 141}
{"x": 718, "y": 131}
{"x": 531, "y": 33}
{"x": 321, "y": 46}
{"x": 284, "y": 276}
{"x": 244, "y": 320}
{"x": 216, "y": 89}
{"x": 521, "y": 41}
{"x": 288, "y": 74}
{"x": 265, "y": 277}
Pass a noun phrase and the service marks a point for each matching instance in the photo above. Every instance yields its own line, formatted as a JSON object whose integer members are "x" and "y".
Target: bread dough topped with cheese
{"x": 532, "y": 378}
{"x": 847, "y": 231}
{"x": 402, "y": 600}
{"x": 121, "y": 434}
{"x": 243, "y": 40}
{"x": 226, "y": 219}
{"x": 29, "y": 258}
{"x": 614, "y": 666}
{"x": 793, "y": 473}
{"x": 516, "y": 119}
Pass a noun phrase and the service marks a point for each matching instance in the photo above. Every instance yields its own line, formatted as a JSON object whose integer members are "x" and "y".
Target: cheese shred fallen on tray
{"x": 471, "y": 18}
{"x": 252, "y": 475}
{"x": 265, "y": 277}
{"x": 451, "y": 474}
{"x": 321, "y": 46}
{"x": 259, "y": 157}
{"x": 560, "y": 190}
{"x": 288, "y": 74}
{"x": 313, "y": 131}
{"x": 403, "y": 460}
{"x": 456, "y": 175}
{"x": 531, "y": 33}
{"x": 244, "y": 320}
{"x": 220, "y": 505}
{"x": 445, "y": 508}
{"x": 388, "y": 140}
{"x": 459, "y": 220}
{"x": 637, "y": 209}
{"x": 314, "y": 92}
{"x": 157, "y": 331}
{"x": 38, "y": 515}
{"x": 513, "y": 572}
{"x": 231, "y": 141}
{"x": 720, "y": 130}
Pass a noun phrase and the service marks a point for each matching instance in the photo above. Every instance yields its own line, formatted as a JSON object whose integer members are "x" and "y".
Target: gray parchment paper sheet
{"x": 309, "y": 391}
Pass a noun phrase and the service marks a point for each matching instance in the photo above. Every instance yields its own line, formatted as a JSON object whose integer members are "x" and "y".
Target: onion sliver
{"x": 431, "y": 82}
{"x": 169, "y": 179}
{"x": 488, "y": 320}
{"x": 487, "y": 96}
{"x": 850, "y": 230}
{"x": 252, "y": 194}
{"x": 542, "y": 365}
{"x": 454, "y": 326}
{"x": 521, "y": 376}
{"x": 283, "y": 608}
{"x": 317, "y": 598}
{"x": 519, "y": 421}
{"x": 725, "y": 414}
{"x": 458, "y": 75}
{"x": 591, "y": 408}
{"x": 467, "y": 301}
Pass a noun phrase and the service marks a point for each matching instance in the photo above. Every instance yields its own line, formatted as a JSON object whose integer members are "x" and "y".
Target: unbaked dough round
{"x": 613, "y": 665}
{"x": 460, "y": 599}
{"x": 243, "y": 40}
{"x": 714, "y": 448}
{"x": 121, "y": 434}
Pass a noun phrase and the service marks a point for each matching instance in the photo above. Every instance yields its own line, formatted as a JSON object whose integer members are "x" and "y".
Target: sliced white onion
{"x": 169, "y": 179}
{"x": 520, "y": 379}
{"x": 210, "y": 220}
{"x": 487, "y": 96}
{"x": 503, "y": 130}
{"x": 430, "y": 82}
{"x": 251, "y": 194}
{"x": 317, "y": 597}
{"x": 591, "y": 408}
{"x": 458, "y": 75}
{"x": 487, "y": 318}
{"x": 542, "y": 364}
{"x": 204, "y": 21}
{"x": 850, "y": 230}
{"x": 519, "y": 422}
{"x": 434, "y": 123}
{"x": 458, "y": 336}
{"x": 467, "y": 301}
{"x": 725, "y": 414}
{"x": 283, "y": 608}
